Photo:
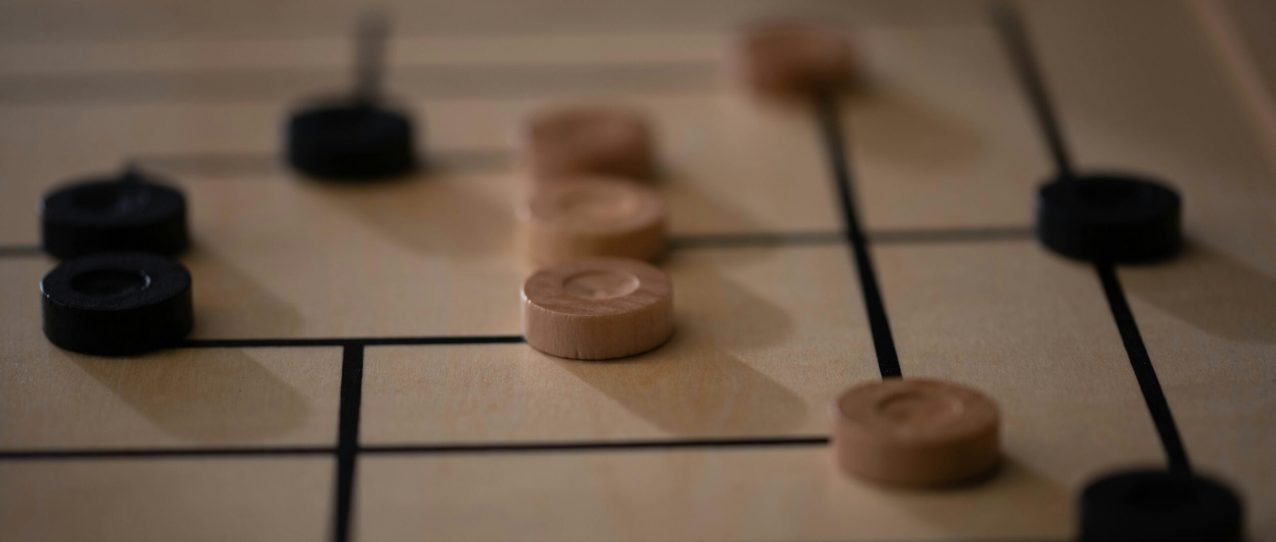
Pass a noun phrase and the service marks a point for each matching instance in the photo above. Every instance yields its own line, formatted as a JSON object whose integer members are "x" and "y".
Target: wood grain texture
{"x": 243, "y": 499}
{"x": 942, "y": 137}
{"x": 1252, "y": 18}
{"x": 943, "y": 152}
{"x": 1247, "y": 50}
{"x": 683, "y": 495}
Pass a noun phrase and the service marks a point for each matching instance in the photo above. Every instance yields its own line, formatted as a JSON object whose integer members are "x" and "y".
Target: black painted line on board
{"x": 1011, "y": 28}
{"x": 828, "y": 115}
{"x": 347, "y": 439}
{"x": 161, "y": 453}
{"x": 1015, "y": 39}
{"x": 348, "y": 341}
{"x": 983, "y": 234}
{"x": 1144, "y": 372}
{"x": 755, "y": 240}
{"x": 584, "y": 446}
{"x": 979, "y": 234}
{"x": 343, "y": 449}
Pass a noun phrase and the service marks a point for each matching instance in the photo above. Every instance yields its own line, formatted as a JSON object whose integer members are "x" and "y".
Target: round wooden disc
{"x": 593, "y": 217}
{"x": 791, "y": 60}
{"x": 567, "y": 142}
{"x": 599, "y": 308}
{"x": 916, "y": 432}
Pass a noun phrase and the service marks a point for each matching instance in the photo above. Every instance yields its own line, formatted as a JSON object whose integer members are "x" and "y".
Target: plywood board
{"x": 316, "y": 373}
{"x": 166, "y": 499}
{"x": 767, "y": 494}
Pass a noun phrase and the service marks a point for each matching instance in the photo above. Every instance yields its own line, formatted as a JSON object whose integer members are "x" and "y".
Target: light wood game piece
{"x": 570, "y": 141}
{"x": 788, "y": 60}
{"x": 600, "y": 308}
{"x": 593, "y": 217}
{"x": 916, "y": 432}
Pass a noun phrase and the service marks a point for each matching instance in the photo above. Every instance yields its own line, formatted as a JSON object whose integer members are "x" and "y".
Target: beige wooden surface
{"x": 755, "y": 352}
{"x": 947, "y": 141}
{"x": 50, "y": 398}
{"x": 766, "y": 336}
{"x": 166, "y": 499}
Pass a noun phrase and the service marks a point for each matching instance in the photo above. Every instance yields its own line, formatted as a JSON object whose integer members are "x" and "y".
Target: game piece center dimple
{"x": 600, "y": 284}
{"x": 108, "y": 282}
{"x": 113, "y": 198}
{"x": 915, "y": 409}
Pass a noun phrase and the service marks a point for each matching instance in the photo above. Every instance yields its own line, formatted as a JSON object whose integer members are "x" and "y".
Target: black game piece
{"x": 1159, "y": 506}
{"x": 350, "y": 141}
{"x": 131, "y": 211}
{"x": 354, "y": 138}
{"x": 117, "y": 303}
{"x": 1110, "y": 217}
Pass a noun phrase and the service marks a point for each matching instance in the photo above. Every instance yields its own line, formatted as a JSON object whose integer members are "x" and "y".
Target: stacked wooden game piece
{"x": 591, "y": 227}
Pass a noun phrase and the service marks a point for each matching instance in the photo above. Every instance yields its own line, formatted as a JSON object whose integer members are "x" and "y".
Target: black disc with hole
{"x": 350, "y": 141}
{"x": 1159, "y": 506}
{"x": 128, "y": 212}
{"x": 1110, "y": 217}
{"x": 117, "y": 303}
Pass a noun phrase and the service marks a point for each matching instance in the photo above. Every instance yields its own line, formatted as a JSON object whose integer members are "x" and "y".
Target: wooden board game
{"x": 356, "y": 371}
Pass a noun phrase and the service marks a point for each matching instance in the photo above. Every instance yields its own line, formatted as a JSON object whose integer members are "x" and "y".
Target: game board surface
{"x": 356, "y": 370}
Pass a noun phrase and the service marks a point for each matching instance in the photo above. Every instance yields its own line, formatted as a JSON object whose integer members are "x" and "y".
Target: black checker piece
{"x": 1110, "y": 217}
{"x": 128, "y": 212}
{"x": 117, "y": 304}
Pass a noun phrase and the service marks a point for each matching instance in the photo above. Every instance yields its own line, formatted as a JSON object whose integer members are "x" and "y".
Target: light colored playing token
{"x": 593, "y": 217}
{"x": 916, "y": 432}
{"x": 573, "y": 141}
{"x": 791, "y": 60}
{"x": 599, "y": 308}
